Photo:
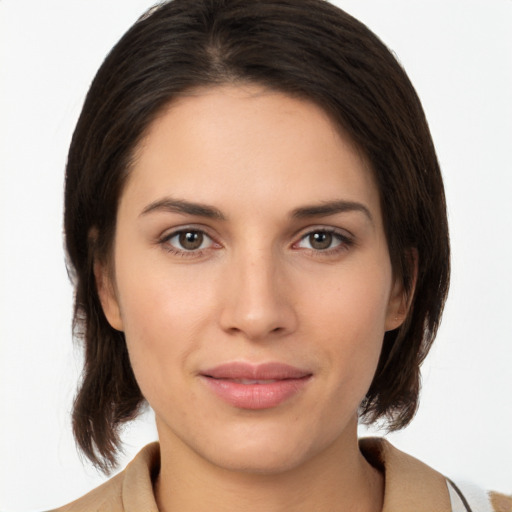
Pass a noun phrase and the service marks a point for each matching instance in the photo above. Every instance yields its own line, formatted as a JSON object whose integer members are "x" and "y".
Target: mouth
{"x": 253, "y": 381}
{"x": 254, "y": 387}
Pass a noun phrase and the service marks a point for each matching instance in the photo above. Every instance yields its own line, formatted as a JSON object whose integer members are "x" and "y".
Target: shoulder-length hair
{"x": 306, "y": 48}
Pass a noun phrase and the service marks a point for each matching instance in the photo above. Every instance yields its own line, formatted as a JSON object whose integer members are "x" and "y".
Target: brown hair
{"x": 307, "y": 48}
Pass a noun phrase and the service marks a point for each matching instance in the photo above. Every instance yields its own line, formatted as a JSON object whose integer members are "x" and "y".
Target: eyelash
{"x": 344, "y": 243}
{"x": 165, "y": 241}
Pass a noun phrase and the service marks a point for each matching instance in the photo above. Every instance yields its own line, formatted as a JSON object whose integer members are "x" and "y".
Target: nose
{"x": 257, "y": 301}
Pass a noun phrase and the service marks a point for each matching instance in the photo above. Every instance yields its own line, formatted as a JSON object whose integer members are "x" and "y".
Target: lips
{"x": 248, "y": 386}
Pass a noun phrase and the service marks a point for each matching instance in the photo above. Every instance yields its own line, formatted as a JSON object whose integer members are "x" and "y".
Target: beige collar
{"x": 409, "y": 484}
{"x": 137, "y": 489}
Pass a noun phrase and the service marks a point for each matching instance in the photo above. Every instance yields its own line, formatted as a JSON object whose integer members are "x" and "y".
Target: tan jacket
{"x": 410, "y": 485}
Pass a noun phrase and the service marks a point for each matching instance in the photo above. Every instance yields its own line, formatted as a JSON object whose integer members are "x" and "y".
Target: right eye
{"x": 187, "y": 241}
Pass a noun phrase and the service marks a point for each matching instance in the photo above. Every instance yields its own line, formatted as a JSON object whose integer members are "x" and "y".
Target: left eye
{"x": 321, "y": 240}
{"x": 190, "y": 240}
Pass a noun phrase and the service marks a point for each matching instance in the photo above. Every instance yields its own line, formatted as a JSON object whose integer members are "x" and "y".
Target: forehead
{"x": 248, "y": 141}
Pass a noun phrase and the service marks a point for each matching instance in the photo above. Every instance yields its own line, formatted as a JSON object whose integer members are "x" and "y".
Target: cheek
{"x": 353, "y": 300}
{"x": 163, "y": 313}
{"x": 156, "y": 296}
{"x": 348, "y": 315}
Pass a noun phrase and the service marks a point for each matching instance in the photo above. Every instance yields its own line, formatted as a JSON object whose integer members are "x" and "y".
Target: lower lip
{"x": 256, "y": 396}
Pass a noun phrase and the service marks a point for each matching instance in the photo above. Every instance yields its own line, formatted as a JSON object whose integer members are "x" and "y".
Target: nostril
{"x": 257, "y": 315}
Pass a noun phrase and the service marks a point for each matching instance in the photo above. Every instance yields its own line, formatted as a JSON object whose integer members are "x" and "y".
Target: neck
{"x": 337, "y": 479}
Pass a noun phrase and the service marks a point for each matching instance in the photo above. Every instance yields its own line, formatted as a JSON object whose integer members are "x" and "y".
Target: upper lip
{"x": 265, "y": 371}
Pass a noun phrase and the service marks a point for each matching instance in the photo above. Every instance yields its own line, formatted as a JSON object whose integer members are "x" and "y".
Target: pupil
{"x": 320, "y": 240}
{"x": 191, "y": 240}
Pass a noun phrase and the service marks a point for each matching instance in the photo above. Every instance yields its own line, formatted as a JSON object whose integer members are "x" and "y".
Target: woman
{"x": 256, "y": 227}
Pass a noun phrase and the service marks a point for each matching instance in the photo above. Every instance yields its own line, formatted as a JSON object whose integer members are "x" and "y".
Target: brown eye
{"x": 324, "y": 240}
{"x": 320, "y": 240}
{"x": 190, "y": 240}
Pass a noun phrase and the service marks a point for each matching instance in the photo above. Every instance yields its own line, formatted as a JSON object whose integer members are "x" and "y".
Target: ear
{"x": 400, "y": 300}
{"x": 107, "y": 295}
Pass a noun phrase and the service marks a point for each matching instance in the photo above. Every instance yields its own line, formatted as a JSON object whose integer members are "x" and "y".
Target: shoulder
{"x": 107, "y": 496}
{"x": 501, "y": 502}
{"x": 467, "y": 497}
{"x": 132, "y": 487}
{"x": 411, "y": 484}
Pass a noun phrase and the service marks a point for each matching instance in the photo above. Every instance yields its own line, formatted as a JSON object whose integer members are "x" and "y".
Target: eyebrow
{"x": 185, "y": 207}
{"x": 331, "y": 208}
{"x": 202, "y": 210}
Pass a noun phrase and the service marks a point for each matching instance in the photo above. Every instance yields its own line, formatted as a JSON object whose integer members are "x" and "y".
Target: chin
{"x": 264, "y": 452}
{"x": 258, "y": 461}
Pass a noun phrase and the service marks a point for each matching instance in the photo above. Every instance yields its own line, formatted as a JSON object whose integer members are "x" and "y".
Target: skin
{"x": 260, "y": 288}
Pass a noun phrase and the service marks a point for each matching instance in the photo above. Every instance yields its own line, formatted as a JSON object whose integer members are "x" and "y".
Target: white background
{"x": 458, "y": 54}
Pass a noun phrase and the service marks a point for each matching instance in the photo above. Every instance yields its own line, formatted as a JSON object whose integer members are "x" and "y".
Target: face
{"x": 251, "y": 277}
